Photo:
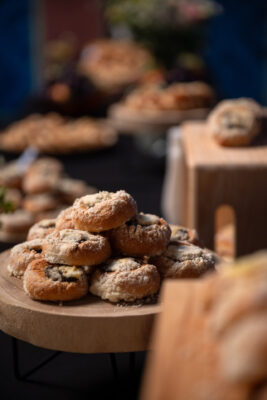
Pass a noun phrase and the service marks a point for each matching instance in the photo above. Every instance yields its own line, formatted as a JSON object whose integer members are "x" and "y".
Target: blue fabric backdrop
{"x": 15, "y": 60}
{"x": 236, "y": 52}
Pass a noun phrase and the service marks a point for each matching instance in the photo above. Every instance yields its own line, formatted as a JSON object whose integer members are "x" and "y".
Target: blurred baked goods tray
{"x": 130, "y": 121}
{"x": 53, "y": 134}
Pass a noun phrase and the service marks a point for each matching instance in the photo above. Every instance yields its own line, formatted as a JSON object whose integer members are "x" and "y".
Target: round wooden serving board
{"x": 89, "y": 325}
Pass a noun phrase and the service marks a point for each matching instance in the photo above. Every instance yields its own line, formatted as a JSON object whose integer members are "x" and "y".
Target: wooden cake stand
{"x": 138, "y": 122}
{"x": 89, "y": 325}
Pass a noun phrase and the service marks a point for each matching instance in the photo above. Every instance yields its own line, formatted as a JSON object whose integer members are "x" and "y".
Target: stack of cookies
{"x": 42, "y": 191}
{"x": 103, "y": 245}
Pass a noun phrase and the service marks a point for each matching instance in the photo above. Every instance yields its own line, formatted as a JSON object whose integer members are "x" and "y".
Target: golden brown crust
{"x": 125, "y": 279}
{"x": 41, "y": 229}
{"x": 39, "y": 286}
{"x": 235, "y": 122}
{"x": 74, "y": 247}
{"x": 145, "y": 234}
{"x": 103, "y": 211}
{"x": 183, "y": 260}
{"x": 64, "y": 219}
{"x": 181, "y": 233}
{"x": 22, "y": 254}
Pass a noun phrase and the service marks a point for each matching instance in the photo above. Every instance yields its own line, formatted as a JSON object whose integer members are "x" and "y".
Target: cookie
{"x": 22, "y": 254}
{"x": 126, "y": 279}
{"x": 41, "y": 229}
{"x": 64, "y": 219}
{"x": 183, "y": 260}
{"x": 235, "y": 122}
{"x": 144, "y": 234}
{"x": 74, "y": 247}
{"x": 182, "y": 233}
{"x": 103, "y": 211}
{"x": 50, "y": 282}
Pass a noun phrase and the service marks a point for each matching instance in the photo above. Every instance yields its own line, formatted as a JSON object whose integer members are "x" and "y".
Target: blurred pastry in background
{"x": 42, "y": 191}
{"x": 14, "y": 226}
{"x": 42, "y": 176}
{"x": 239, "y": 319}
{"x": 70, "y": 189}
{"x": 14, "y": 196}
{"x": 36, "y": 203}
{"x": 10, "y": 175}
{"x": 235, "y": 122}
{"x": 113, "y": 64}
{"x": 53, "y": 134}
{"x": 177, "y": 96}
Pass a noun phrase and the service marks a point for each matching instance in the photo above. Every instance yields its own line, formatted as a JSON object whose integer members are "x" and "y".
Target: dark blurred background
{"x": 223, "y": 43}
{"x": 229, "y": 41}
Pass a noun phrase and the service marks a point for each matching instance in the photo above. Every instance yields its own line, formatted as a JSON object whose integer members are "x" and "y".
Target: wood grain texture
{"x": 89, "y": 325}
{"x": 184, "y": 362}
{"x": 225, "y": 176}
{"x": 137, "y": 122}
{"x": 202, "y": 150}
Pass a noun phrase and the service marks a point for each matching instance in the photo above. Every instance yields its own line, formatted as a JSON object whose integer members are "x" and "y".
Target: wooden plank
{"x": 219, "y": 176}
{"x": 202, "y": 150}
{"x": 89, "y": 325}
{"x": 184, "y": 362}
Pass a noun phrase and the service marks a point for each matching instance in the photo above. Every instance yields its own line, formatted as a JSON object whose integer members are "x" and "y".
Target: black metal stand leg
{"x": 24, "y": 376}
{"x": 114, "y": 365}
{"x": 132, "y": 363}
